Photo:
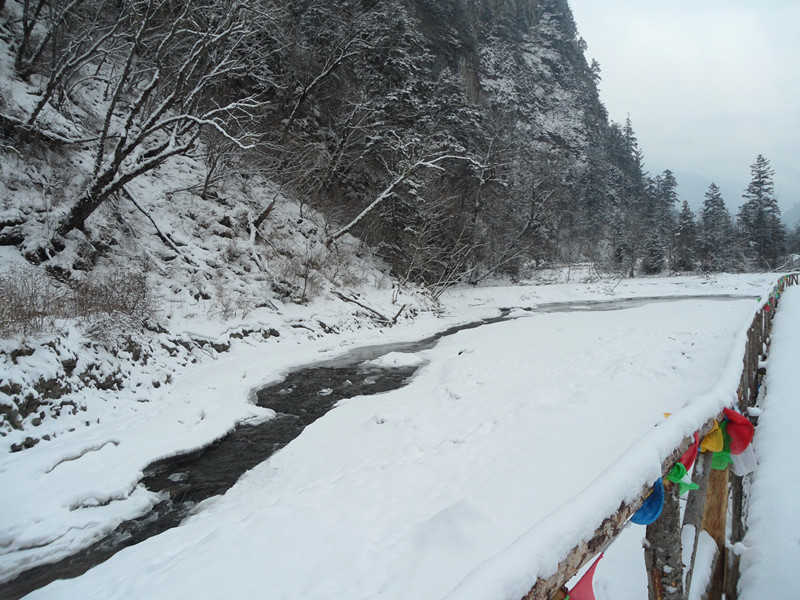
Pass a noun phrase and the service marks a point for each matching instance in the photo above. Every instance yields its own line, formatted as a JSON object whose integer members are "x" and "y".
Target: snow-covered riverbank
{"x": 74, "y": 488}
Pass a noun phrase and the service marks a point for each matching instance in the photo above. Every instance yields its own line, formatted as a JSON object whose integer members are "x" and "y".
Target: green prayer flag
{"x": 726, "y": 439}
{"x": 677, "y": 473}
{"x": 721, "y": 460}
{"x": 680, "y": 475}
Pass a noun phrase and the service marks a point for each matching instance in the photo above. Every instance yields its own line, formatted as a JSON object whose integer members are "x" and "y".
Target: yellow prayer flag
{"x": 713, "y": 442}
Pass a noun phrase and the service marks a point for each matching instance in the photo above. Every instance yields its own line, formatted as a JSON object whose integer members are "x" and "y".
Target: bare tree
{"x": 438, "y": 252}
{"x": 400, "y": 178}
{"x": 525, "y": 243}
{"x": 218, "y": 152}
{"x": 48, "y": 18}
{"x": 160, "y": 102}
{"x": 350, "y": 46}
{"x": 83, "y": 47}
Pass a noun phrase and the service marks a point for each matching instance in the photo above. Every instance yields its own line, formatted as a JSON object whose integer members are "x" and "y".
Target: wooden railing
{"x": 707, "y": 507}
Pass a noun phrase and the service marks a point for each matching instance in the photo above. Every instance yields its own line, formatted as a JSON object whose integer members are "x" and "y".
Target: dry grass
{"x": 32, "y": 302}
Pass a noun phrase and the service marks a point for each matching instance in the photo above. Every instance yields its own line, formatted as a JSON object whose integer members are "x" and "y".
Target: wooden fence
{"x": 719, "y": 497}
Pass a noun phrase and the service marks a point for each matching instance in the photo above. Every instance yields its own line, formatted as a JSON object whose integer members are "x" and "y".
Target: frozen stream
{"x": 299, "y": 400}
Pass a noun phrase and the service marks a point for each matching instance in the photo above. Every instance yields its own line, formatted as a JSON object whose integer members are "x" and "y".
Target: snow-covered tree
{"x": 630, "y": 210}
{"x": 157, "y": 73}
{"x": 685, "y": 243}
{"x": 653, "y": 257}
{"x": 718, "y": 245}
{"x": 663, "y": 217}
{"x": 759, "y": 217}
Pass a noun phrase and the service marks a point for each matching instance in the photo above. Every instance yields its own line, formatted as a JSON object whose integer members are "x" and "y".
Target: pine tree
{"x": 667, "y": 189}
{"x": 717, "y": 247}
{"x": 632, "y": 146}
{"x": 760, "y": 218}
{"x": 664, "y": 198}
{"x": 714, "y": 211}
{"x": 653, "y": 253}
{"x": 630, "y": 210}
{"x": 685, "y": 239}
{"x": 661, "y": 216}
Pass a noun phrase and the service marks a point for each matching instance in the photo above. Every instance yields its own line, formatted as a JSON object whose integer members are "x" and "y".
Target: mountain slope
{"x": 457, "y": 140}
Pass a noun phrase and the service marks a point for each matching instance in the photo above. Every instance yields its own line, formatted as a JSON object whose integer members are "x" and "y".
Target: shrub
{"x": 29, "y": 302}
{"x": 104, "y": 304}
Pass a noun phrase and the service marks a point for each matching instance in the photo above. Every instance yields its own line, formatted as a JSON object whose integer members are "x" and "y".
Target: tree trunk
{"x": 87, "y": 203}
{"x": 662, "y": 556}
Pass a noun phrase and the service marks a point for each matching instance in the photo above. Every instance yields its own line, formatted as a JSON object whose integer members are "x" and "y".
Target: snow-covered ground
{"x": 509, "y": 444}
{"x": 771, "y": 548}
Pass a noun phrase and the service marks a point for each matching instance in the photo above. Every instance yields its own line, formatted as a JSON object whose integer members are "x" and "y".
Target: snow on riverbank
{"x": 771, "y": 550}
{"x": 389, "y": 496}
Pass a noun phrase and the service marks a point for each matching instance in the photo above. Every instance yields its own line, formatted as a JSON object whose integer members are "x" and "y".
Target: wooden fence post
{"x": 695, "y": 507}
{"x": 715, "y": 517}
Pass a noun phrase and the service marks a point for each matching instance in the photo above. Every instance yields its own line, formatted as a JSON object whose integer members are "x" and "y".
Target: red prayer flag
{"x": 740, "y": 430}
{"x": 584, "y": 589}
{"x": 690, "y": 455}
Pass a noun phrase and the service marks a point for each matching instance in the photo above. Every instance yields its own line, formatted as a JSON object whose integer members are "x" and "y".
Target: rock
{"x": 51, "y": 388}
{"x": 69, "y": 365}
{"x": 29, "y": 442}
{"x": 24, "y": 351}
{"x": 14, "y": 418}
{"x": 134, "y": 349}
{"x": 10, "y": 389}
{"x": 221, "y": 346}
{"x": 111, "y": 382}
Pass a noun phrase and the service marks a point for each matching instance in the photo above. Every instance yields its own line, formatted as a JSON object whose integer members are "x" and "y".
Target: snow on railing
{"x": 540, "y": 563}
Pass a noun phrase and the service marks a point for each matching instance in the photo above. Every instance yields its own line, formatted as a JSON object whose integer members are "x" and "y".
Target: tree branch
{"x": 367, "y": 308}
{"x": 386, "y": 193}
{"x": 164, "y": 237}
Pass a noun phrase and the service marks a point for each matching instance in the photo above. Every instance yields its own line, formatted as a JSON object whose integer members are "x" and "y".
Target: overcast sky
{"x": 708, "y": 85}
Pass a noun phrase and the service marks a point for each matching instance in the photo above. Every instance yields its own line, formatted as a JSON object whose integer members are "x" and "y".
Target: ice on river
{"x": 468, "y": 481}
{"x": 395, "y": 359}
